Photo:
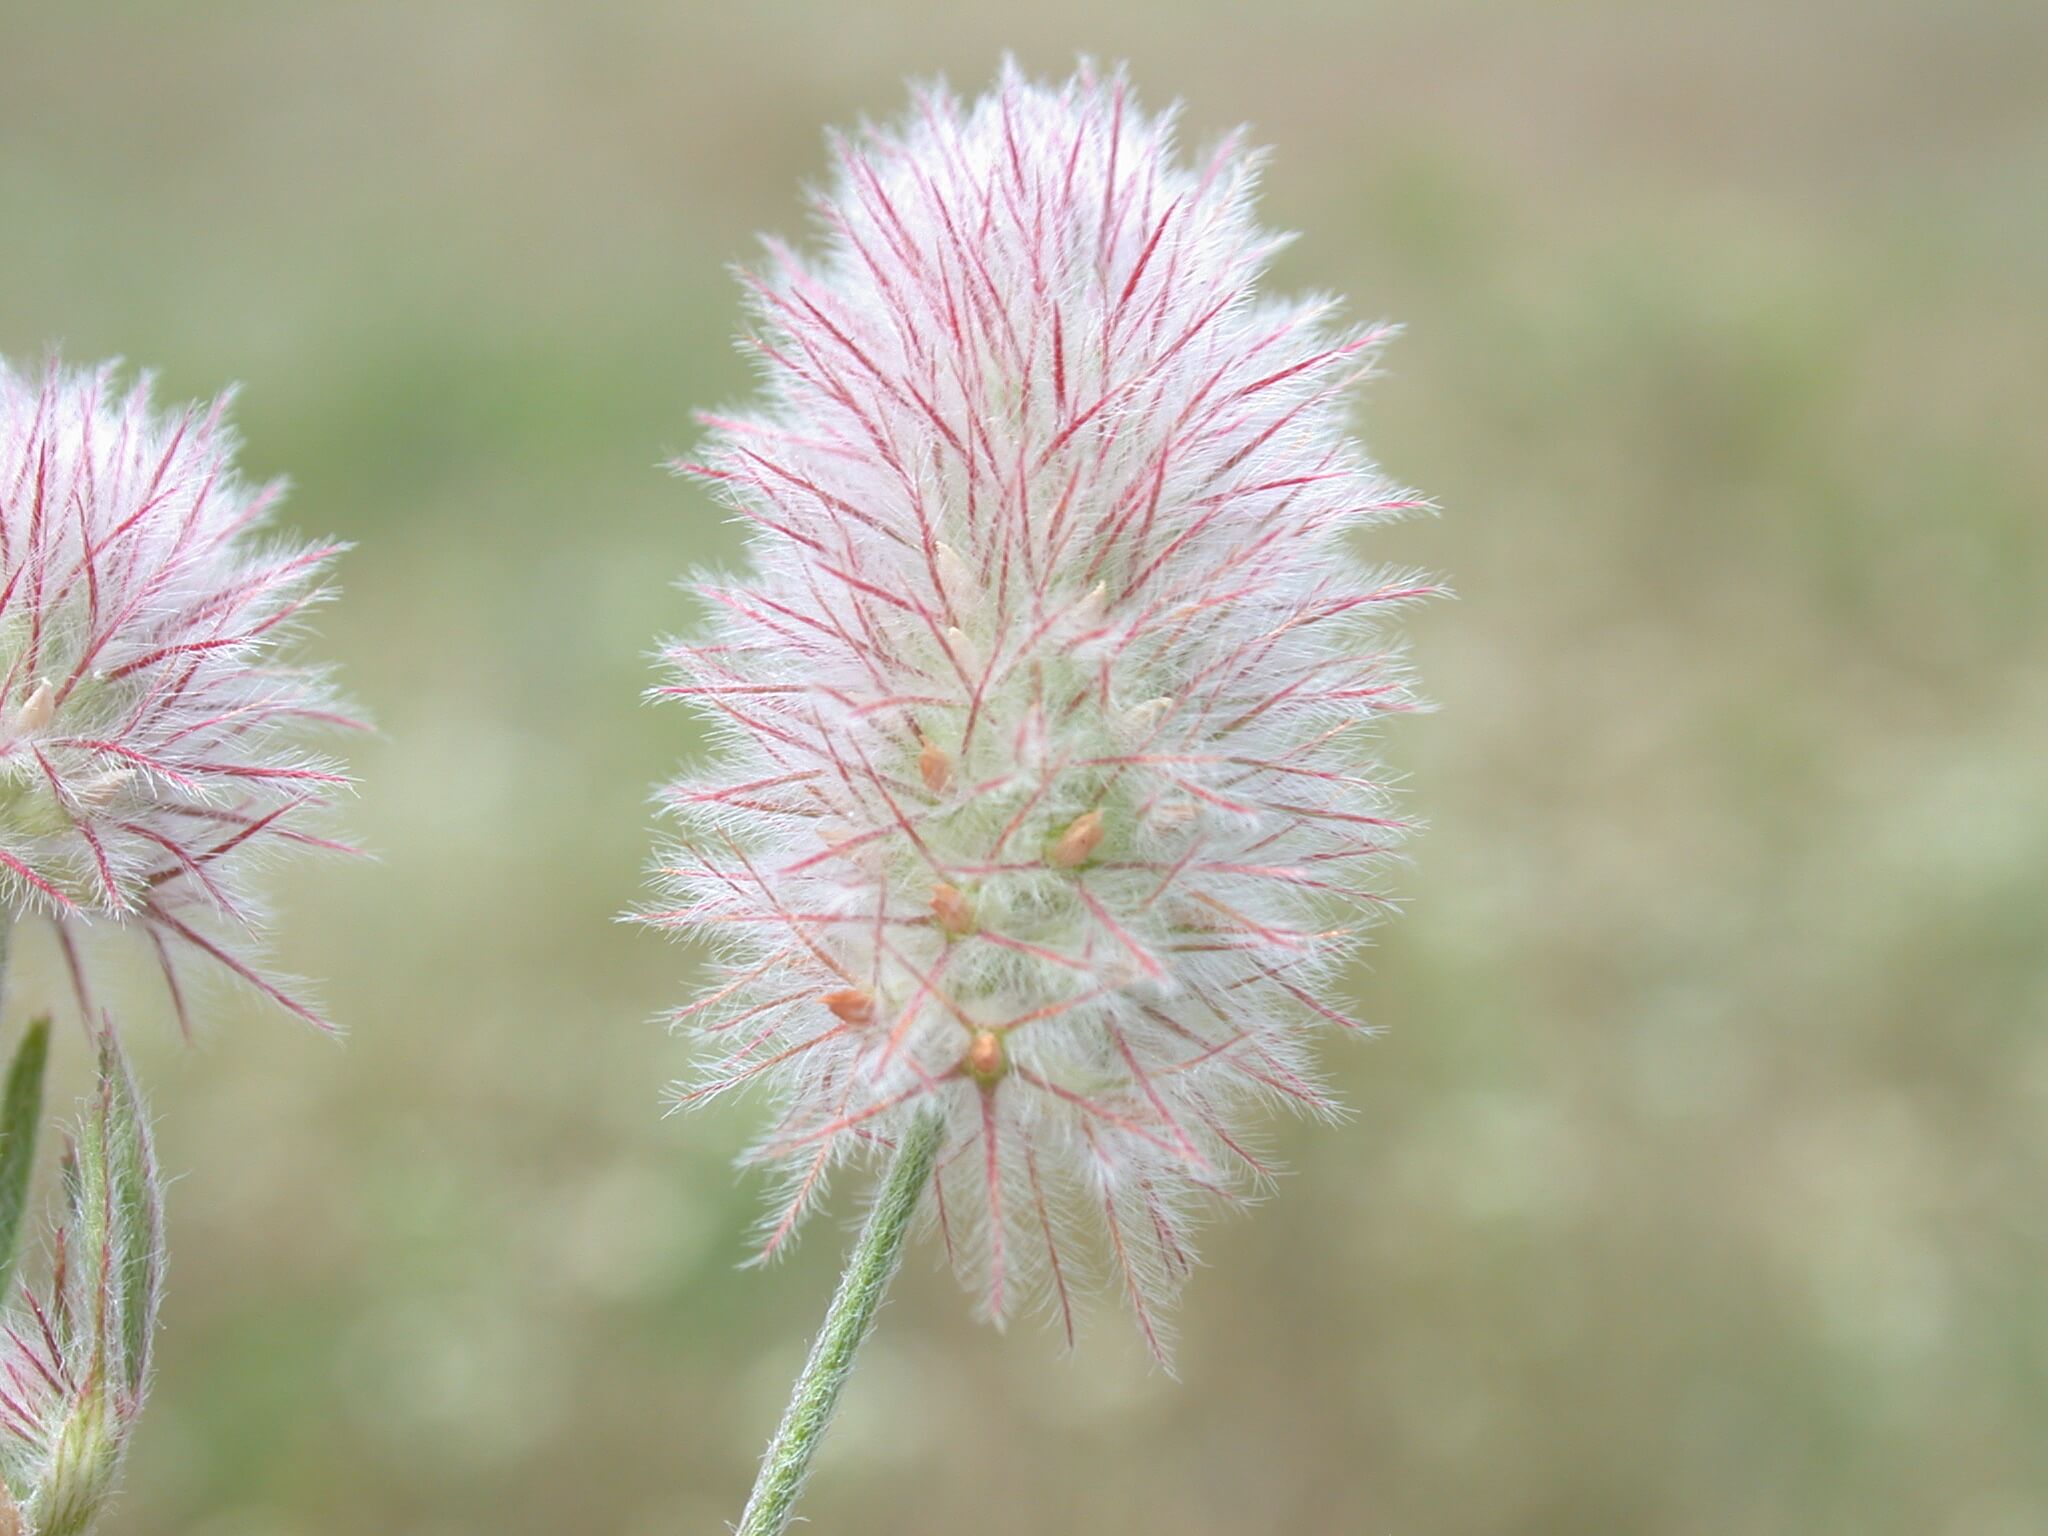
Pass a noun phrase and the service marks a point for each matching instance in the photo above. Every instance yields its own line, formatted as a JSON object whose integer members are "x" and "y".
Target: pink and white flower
{"x": 1044, "y": 800}
{"x": 148, "y": 715}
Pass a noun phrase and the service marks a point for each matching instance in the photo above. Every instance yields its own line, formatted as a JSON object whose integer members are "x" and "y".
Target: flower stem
{"x": 869, "y": 1269}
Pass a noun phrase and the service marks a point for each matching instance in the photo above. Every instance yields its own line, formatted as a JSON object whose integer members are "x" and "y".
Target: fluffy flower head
{"x": 1042, "y": 803}
{"x": 145, "y": 717}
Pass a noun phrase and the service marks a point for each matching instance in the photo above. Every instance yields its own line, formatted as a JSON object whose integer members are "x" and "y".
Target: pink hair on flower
{"x": 148, "y": 717}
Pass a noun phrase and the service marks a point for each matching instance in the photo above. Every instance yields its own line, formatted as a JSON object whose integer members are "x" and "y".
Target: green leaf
{"x": 21, "y": 1114}
{"x": 116, "y": 1222}
{"x": 138, "y": 1209}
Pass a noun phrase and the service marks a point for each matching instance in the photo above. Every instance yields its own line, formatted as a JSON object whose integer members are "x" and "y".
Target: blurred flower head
{"x": 147, "y": 718}
{"x": 1044, "y": 801}
{"x": 74, "y": 1362}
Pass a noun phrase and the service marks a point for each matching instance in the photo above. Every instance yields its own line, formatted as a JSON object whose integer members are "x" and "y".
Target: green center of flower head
{"x": 1029, "y": 829}
{"x": 56, "y": 776}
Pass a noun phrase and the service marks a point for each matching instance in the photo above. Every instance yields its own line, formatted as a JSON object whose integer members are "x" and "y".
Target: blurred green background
{"x": 1700, "y": 1184}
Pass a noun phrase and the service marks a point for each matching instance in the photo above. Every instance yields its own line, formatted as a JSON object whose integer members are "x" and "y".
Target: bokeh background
{"x": 1699, "y": 1186}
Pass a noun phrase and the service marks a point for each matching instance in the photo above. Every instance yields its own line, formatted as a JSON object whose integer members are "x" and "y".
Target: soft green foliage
{"x": 21, "y": 1118}
{"x": 79, "y": 1473}
{"x": 116, "y": 1220}
{"x": 77, "y": 1358}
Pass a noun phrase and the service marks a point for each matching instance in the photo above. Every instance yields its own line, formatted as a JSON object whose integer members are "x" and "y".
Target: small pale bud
{"x": 97, "y": 793}
{"x": 1141, "y": 718}
{"x": 953, "y": 575}
{"x": 935, "y": 767}
{"x": 1075, "y": 845}
{"x": 963, "y": 649}
{"x": 37, "y": 710}
{"x": 839, "y": 838}
{"x": 954, "y": 912}
{"x": 984, "y": 1060}
{"x": 851, "y": 1005}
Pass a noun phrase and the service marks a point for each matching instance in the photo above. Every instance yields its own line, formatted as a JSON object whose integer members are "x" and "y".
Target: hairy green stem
{"x": 869, "y": 1269}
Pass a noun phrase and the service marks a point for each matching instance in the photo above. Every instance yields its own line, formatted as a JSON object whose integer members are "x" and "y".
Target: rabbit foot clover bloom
{"x": 74, "y": 1362}
{"x": 146, "y": 765}
{"x": 1044, "y": 806}
{"x": 145, "y": 715}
